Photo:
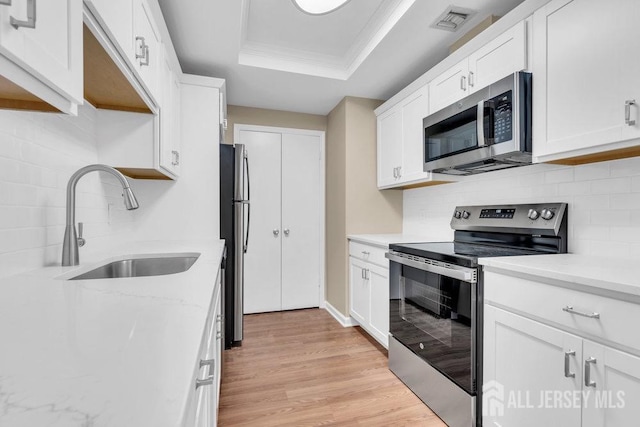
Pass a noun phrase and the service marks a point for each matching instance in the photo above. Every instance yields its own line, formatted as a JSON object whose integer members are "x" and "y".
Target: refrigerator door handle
{"x": 248, "y": 199}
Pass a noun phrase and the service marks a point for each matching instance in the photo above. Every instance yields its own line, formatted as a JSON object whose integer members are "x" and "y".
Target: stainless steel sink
{"x": 139, "y": 267}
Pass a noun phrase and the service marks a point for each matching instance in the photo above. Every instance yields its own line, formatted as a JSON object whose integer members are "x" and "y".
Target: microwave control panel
{"x": 502, "y": 119}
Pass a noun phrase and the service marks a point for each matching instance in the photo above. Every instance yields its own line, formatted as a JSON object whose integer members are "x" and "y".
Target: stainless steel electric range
{"x": 436, "y": 297}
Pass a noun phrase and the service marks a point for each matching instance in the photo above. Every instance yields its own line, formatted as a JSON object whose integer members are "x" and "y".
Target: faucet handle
{"x": 81, "y": 240}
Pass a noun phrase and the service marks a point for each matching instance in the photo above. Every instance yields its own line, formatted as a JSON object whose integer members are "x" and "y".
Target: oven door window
{"x": 433, "y": 316}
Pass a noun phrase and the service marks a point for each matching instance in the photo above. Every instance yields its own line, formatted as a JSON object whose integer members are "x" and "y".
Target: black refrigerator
{"x": 235, "y": 217}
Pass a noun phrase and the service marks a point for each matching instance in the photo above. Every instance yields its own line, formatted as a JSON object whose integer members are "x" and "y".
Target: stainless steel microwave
{"x": 488, "y": 130}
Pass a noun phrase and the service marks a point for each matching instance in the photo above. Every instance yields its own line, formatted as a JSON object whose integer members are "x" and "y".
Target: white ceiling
{"x": 274, "y": 56}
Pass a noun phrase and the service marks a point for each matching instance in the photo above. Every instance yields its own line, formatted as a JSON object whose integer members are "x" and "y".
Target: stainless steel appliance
{"x": 436, "y": 296}
{"x": 488, "y": 130}
{"x": 235, "y": 218}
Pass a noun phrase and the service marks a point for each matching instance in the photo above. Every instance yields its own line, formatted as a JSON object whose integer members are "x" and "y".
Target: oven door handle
{"x": 455, "y": 272}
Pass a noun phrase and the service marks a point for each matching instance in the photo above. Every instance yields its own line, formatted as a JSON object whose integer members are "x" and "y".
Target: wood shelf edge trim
{"x": 621, "y": 153}
{"x": 137, "y": 173}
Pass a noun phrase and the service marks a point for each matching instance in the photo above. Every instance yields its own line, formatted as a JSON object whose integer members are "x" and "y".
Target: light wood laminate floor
{"x": 302, "y": 368}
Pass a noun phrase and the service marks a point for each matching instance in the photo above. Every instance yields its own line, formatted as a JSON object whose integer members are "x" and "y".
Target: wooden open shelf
{"x": 104, "y": 84}
{"x": 13, "y": 97}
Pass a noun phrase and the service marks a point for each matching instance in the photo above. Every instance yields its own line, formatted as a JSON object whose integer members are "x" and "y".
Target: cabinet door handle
{"x": 567, "y": 364}
{"x": 569, "y": 309}
{"x": 395, "y": 173}
{"x": 471, "y": 82}
{"x": 142, "y": 45}
{"x": 587, "y": 372}
{"x": 145, "y": 61}
{"x": 399, "y": 171}
{"x": 5, "y": 2}
{"x": 176, "y": 158}
{"x": 366, "y": 253}
{"x": 143, "y": 49}
{"x": 463, "y": 83}
{"x": 366, "y": 274}
{"x": 627, "y": 112}
{"x": 31, "y": 17}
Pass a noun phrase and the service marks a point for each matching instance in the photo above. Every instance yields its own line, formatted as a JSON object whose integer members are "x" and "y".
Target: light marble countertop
{"x": 384, "y": 240}
{"x": 589, "y": 272}
{"x": 107, "y": 352}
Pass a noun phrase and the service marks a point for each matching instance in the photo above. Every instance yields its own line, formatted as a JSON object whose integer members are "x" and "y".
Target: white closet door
{"x": 262, "y": 289}
{"x": 300, "y": 221}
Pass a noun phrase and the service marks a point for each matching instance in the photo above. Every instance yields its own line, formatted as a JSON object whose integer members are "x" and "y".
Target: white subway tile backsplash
{"x": 603, "y": 198}
{"x": 39, "y": 153}
{"x": 560, "y": 175}
{"x": 625, "y": 201}
{"x": 592, "y": 171}
{"x": 611, "y": 186}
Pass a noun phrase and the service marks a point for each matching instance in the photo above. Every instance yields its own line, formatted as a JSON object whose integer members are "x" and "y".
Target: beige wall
{"x": 369, "y": 210}
{"x": 336, "y": 250}
{"x": 275, "y": 118}
{"x": 354, "y": 203}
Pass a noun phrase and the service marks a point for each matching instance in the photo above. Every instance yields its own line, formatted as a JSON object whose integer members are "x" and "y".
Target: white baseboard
{"x": 345, "y": 321}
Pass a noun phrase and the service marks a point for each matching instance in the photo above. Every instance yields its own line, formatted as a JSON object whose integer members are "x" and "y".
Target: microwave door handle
{"x": 480, "y": 124}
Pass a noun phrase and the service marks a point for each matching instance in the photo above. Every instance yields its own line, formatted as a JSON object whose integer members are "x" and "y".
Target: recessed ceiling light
{"x": 319, "y": 7}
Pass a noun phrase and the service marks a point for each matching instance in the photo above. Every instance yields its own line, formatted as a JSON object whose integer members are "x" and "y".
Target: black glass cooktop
{"x": 465, "y": 254}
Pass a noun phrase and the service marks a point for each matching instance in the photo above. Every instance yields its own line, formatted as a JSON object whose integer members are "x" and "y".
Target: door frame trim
{"x": 238, "y": 127}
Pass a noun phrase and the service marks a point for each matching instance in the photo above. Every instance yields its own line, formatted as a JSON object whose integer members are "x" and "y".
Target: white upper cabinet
{"x": 587, "y": 79}
{"x": 147, "y": 54}
{"x": 505, "y": 55}
{"x": 502, "y": 56}
{"x": 450, "y": 86}
{"x": 170, "y": 119}
{"x": 401, "y": 144}
{"x": 116, "y": 18}
{"x": 41, "y": 42}
{"x": 414, "y": 109}
{"x": 389, "y": 147}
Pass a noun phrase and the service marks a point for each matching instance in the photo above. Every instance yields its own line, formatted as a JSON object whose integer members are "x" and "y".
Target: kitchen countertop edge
{"x": 606, "y": 276}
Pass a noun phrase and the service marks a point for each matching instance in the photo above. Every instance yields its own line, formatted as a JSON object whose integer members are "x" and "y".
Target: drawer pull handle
{"x": 569, "y": 309}
{"x": 207, "y": 362}
{"x": 207, "y": 381}
{"x": 587, "y": 372}
{"x": 365, "y": 253}
{"x": 567, "y": 364}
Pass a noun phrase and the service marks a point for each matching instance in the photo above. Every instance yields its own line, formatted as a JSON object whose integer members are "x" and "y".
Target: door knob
{"x": 276, "y": 232}
{"x": 286, "y": 231}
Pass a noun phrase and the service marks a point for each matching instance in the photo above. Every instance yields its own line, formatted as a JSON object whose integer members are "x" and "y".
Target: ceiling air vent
{"x": 453, "y": 18}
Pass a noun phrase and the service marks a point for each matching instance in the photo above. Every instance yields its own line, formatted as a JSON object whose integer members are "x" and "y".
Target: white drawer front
{"x": 373, "y": 254}
{"x": 601, "y": 317}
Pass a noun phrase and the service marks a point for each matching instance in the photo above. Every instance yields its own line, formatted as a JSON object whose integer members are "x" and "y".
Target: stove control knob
{"x": 465, "y": 215}
{"x": 547, "y": 214}
{"x": 533, "y": 214}
{"x": 457, "y": 214}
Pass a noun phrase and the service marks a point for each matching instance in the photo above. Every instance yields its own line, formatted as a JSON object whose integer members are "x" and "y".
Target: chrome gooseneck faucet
{"x": 70, "y": 242}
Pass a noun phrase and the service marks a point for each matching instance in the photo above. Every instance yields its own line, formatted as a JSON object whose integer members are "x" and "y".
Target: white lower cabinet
{"x": 566, "y": 372}
{"x": 204, "y": 397}
{"x": 369, "y": 290}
